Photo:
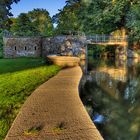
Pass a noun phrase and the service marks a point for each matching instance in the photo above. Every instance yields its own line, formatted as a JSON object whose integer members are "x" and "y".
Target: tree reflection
{"x": 113, "y": 91}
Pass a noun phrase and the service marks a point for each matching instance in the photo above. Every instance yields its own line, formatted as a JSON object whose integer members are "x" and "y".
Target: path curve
{"x": 56, "y": 108}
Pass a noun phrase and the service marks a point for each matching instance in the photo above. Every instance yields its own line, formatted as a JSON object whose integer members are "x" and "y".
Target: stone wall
{"x": 22, "y": 47}
{"x": 64, "y": 45}
{"x": 36, "y": 47}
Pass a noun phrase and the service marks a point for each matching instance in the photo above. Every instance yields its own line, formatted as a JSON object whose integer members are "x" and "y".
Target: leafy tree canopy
{"x": 133, "y": 22}
{"x": 5, "y": 6}
{"x": 34, "y": 23}
{"x": 67, "y": 19}
{"x": 42, "y": 21}
{"x": 23, "y": 26}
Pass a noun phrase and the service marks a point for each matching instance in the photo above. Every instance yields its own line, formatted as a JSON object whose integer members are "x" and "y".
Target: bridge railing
{"x": 106, "y": 39}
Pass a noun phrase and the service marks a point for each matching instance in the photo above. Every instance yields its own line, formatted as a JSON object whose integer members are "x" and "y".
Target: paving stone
{"x": 57, "y": 108}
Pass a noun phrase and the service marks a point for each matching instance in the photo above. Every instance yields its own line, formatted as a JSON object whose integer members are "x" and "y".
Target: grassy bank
{"x": 18, "y": 78}
{"x": 13, "y": 65}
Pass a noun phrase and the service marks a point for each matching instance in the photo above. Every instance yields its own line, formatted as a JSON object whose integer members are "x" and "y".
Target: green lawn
{"x": 18, "y": 78}
{"x": 12, "y": 65}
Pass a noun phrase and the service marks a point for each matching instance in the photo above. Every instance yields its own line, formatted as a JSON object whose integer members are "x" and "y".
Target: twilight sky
{"x": 27, "y": 5}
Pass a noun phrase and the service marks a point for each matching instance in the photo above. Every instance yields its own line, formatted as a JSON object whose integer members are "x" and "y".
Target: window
{"x": 25, "y": 48}
{"x": 15, "y": 48}
{"x": 35, "y": 47}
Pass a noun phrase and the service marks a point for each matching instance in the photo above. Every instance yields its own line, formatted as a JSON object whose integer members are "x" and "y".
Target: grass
{"x": 59, "y": 128}
{"x": 12, "y": 65}
{"x": 33, "y": 131}
{"x": 18, "y": 78}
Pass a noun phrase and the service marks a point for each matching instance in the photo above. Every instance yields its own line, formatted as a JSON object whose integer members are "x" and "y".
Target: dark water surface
{"x": 110, "y": 91}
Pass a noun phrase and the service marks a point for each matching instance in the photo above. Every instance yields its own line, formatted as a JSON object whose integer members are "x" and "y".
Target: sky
{"x": 28, "y": 5}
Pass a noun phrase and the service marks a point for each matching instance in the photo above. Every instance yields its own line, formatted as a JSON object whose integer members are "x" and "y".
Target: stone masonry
{"x": 41, "y": 47}
{"x": 22, "y": 47}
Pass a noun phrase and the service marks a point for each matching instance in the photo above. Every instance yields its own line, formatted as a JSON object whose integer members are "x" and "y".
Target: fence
{"x": 106, "y": 39}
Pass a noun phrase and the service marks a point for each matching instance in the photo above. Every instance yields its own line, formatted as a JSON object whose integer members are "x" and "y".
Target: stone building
{"x": 22, "y": 47}
{"x": 41, "y": 47}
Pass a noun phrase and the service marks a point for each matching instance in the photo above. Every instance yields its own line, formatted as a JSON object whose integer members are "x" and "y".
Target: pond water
{"x": 110, "y": 91}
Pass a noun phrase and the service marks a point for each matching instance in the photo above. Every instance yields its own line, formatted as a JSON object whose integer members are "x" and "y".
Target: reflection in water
{"x": 111, "y": 94}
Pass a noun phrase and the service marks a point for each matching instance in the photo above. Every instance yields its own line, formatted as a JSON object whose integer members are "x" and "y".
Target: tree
{"x": 67, "y": 18}
{"x": 22, "y": 26}
{"x": 34, "y": 23}
{"x": 42, "y": 21}
{"x": 5, "y": 6}
{"x": 133, "y": 23}
{"x": 98, "y": 16}
{"x": 102, "y": 16}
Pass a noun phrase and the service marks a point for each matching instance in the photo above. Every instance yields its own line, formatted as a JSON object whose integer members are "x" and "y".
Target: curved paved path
{"x": 55, "y": 107}
{"x": 66, "y": 61}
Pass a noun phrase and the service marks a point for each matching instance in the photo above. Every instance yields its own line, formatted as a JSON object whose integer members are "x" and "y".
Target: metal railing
{"x": 106, "y": 39}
